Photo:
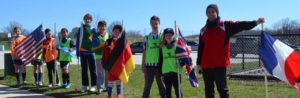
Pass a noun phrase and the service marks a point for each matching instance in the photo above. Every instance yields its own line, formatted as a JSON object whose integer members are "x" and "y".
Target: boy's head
{"x": 101, "y": 26}
{"x": 169, "y": 35}
{"x": 48, "y": 33}
{"x": 17, "y": 31}
{"x": 212, "y": 12}
{"x": 155, "y": 22}
{"x": 88, "y": 19}
{"x": 117, "y": 30}
{"x": 64, "y": 32}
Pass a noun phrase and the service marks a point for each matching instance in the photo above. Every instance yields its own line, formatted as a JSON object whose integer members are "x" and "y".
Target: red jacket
{"x": 214, "y": 45}
{"x": 107, "y": 49}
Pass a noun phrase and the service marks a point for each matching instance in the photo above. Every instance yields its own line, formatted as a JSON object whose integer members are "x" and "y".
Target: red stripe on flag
{"x": 24, "y": 41}
{"x": 292, "y": 68}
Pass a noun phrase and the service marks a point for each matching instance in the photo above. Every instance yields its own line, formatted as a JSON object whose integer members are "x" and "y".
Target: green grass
{"x": 248, "y": 66}
{"x": 134, "y": 88}
{"x": 5, "y": 45}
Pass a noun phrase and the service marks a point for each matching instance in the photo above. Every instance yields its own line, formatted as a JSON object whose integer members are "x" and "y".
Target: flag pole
{"x": 178, "y": 75}
{"x": 42, "y": 61}
{"x": 55, "y": 57}
{"x": 81, "y": 30}
{"x": 266, "y": 79}
{"x": 121, "y": 81}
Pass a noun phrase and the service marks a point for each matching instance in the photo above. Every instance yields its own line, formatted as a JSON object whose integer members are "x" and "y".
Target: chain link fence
{"x": 246, "y": 67}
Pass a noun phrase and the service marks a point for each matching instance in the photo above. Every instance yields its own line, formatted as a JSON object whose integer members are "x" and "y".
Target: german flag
{"x": 120, "y": 61}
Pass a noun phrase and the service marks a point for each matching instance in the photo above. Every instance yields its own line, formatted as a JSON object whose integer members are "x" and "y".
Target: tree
{"x": 133, "y": 34}
{"x": 287, "y": 26}
{"x": 96, "y": 18}
{"x": 10, "y": 28}
{"x": 111, "y": 26}
{"x": 73, "y": 33}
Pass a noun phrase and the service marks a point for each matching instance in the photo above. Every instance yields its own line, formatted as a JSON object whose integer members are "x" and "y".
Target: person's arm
{"x": 200, "y": 52}
{"x": 145, "y": 47}
{"x": 232, "y": 28}
{"x": 105, "y": 53}
{"x": 77, "y": 43}
{"x": 160, "y": 61}
{"x": 72, "y": 44}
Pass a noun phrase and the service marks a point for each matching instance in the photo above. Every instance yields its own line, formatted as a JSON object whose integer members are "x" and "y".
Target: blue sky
{"x": 189, "y": 14}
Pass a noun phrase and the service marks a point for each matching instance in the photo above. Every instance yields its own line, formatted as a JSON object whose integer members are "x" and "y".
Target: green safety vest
{"x": 169, "y": 60}
{"x": 98, "y": 52}
{"x": 63, "y": 56}
{"x": 87, "y": 39}
{"x": 39, "y": 57}
{"x": 152, "y": 53}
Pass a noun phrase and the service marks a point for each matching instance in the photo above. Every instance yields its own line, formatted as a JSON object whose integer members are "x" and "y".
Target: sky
{"x": 189, "y": 14}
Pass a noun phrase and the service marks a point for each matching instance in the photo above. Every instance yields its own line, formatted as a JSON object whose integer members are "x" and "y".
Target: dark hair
{"x": 155, "y": 18}
{"x": 117, "y": 27}
{"x": 101, "y": 23}
{"x": 89, "y": 16}
{"x": 64, "y": 29}
{"x": 17, "y": 28}
{"x": 47, "y": 30}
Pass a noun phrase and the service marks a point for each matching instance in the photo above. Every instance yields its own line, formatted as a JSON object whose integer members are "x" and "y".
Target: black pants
{"x": 50, "y": 67}
{"x": 88, "y": 62}
{"x": 172, "y": 80}
{"x": 150, "y": 74}
{"x": 217, "y": 75}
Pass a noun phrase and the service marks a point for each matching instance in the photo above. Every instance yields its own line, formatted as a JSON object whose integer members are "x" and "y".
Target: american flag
{"x": 183, "y": 55}
{"x": 31, "y": 46}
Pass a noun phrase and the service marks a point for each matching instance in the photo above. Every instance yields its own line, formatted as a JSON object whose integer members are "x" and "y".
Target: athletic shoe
{"x": 93, "y": 88}
{"x": 84, "y": 88}
{"x": 25, "y": 83}
{"x": 68, "y": 86}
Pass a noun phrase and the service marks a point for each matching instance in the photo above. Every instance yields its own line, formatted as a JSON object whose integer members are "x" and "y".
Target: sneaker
{"x": 84, "y": 88}
{"x": 68, "y": 86}
{"x": 118, "y": 96}
{"x": 108, "y": 97}
{"x": 35, "y": 83}
{"x": 18, "y": 83}
{"x": 50, "y": 85}
{"x": 57, "y": 84}
{"x": 99, "y": 91}
{"x": 25, "y": 83}
{"x": 40, "y": 84}
{"x": 93, "y": 88}
{"x": 63, "y": 86}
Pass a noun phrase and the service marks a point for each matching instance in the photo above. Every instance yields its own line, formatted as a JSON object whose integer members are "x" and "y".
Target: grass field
{"x": 5, "y": 45}
{"x": 134, "y": 88}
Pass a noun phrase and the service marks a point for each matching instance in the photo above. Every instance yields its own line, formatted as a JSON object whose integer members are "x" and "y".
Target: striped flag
{"x": 183, "y": 55}
{"x": 120, "y": 61}
{"x": 31, "y": 46}
{"x": 279, "y": 59}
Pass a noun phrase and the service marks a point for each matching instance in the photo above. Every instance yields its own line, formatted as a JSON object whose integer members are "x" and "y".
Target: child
{"x": 98, "y": 43}
{"x": 37, "y": 65}
{"x": 16, "y": 60}
{"x": 86, "y": 53}
{"x": 65, "y": 59}
{"x": 106, "y": 51}
{"x": 150, "y": 58}
{"x": 169, "y": 64}
{"x": 48, "y": 56}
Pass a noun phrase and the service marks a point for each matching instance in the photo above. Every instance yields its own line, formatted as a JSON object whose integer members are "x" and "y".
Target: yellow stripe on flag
{"x": 129, "y": 68}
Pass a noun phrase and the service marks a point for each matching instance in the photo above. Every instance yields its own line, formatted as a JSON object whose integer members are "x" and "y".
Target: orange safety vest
{"x": 16, "y": 42}
{"x": 50, "y": 48}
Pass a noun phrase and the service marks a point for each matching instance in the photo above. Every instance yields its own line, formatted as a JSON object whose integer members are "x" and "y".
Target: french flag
{"x": 279, "y": 59}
